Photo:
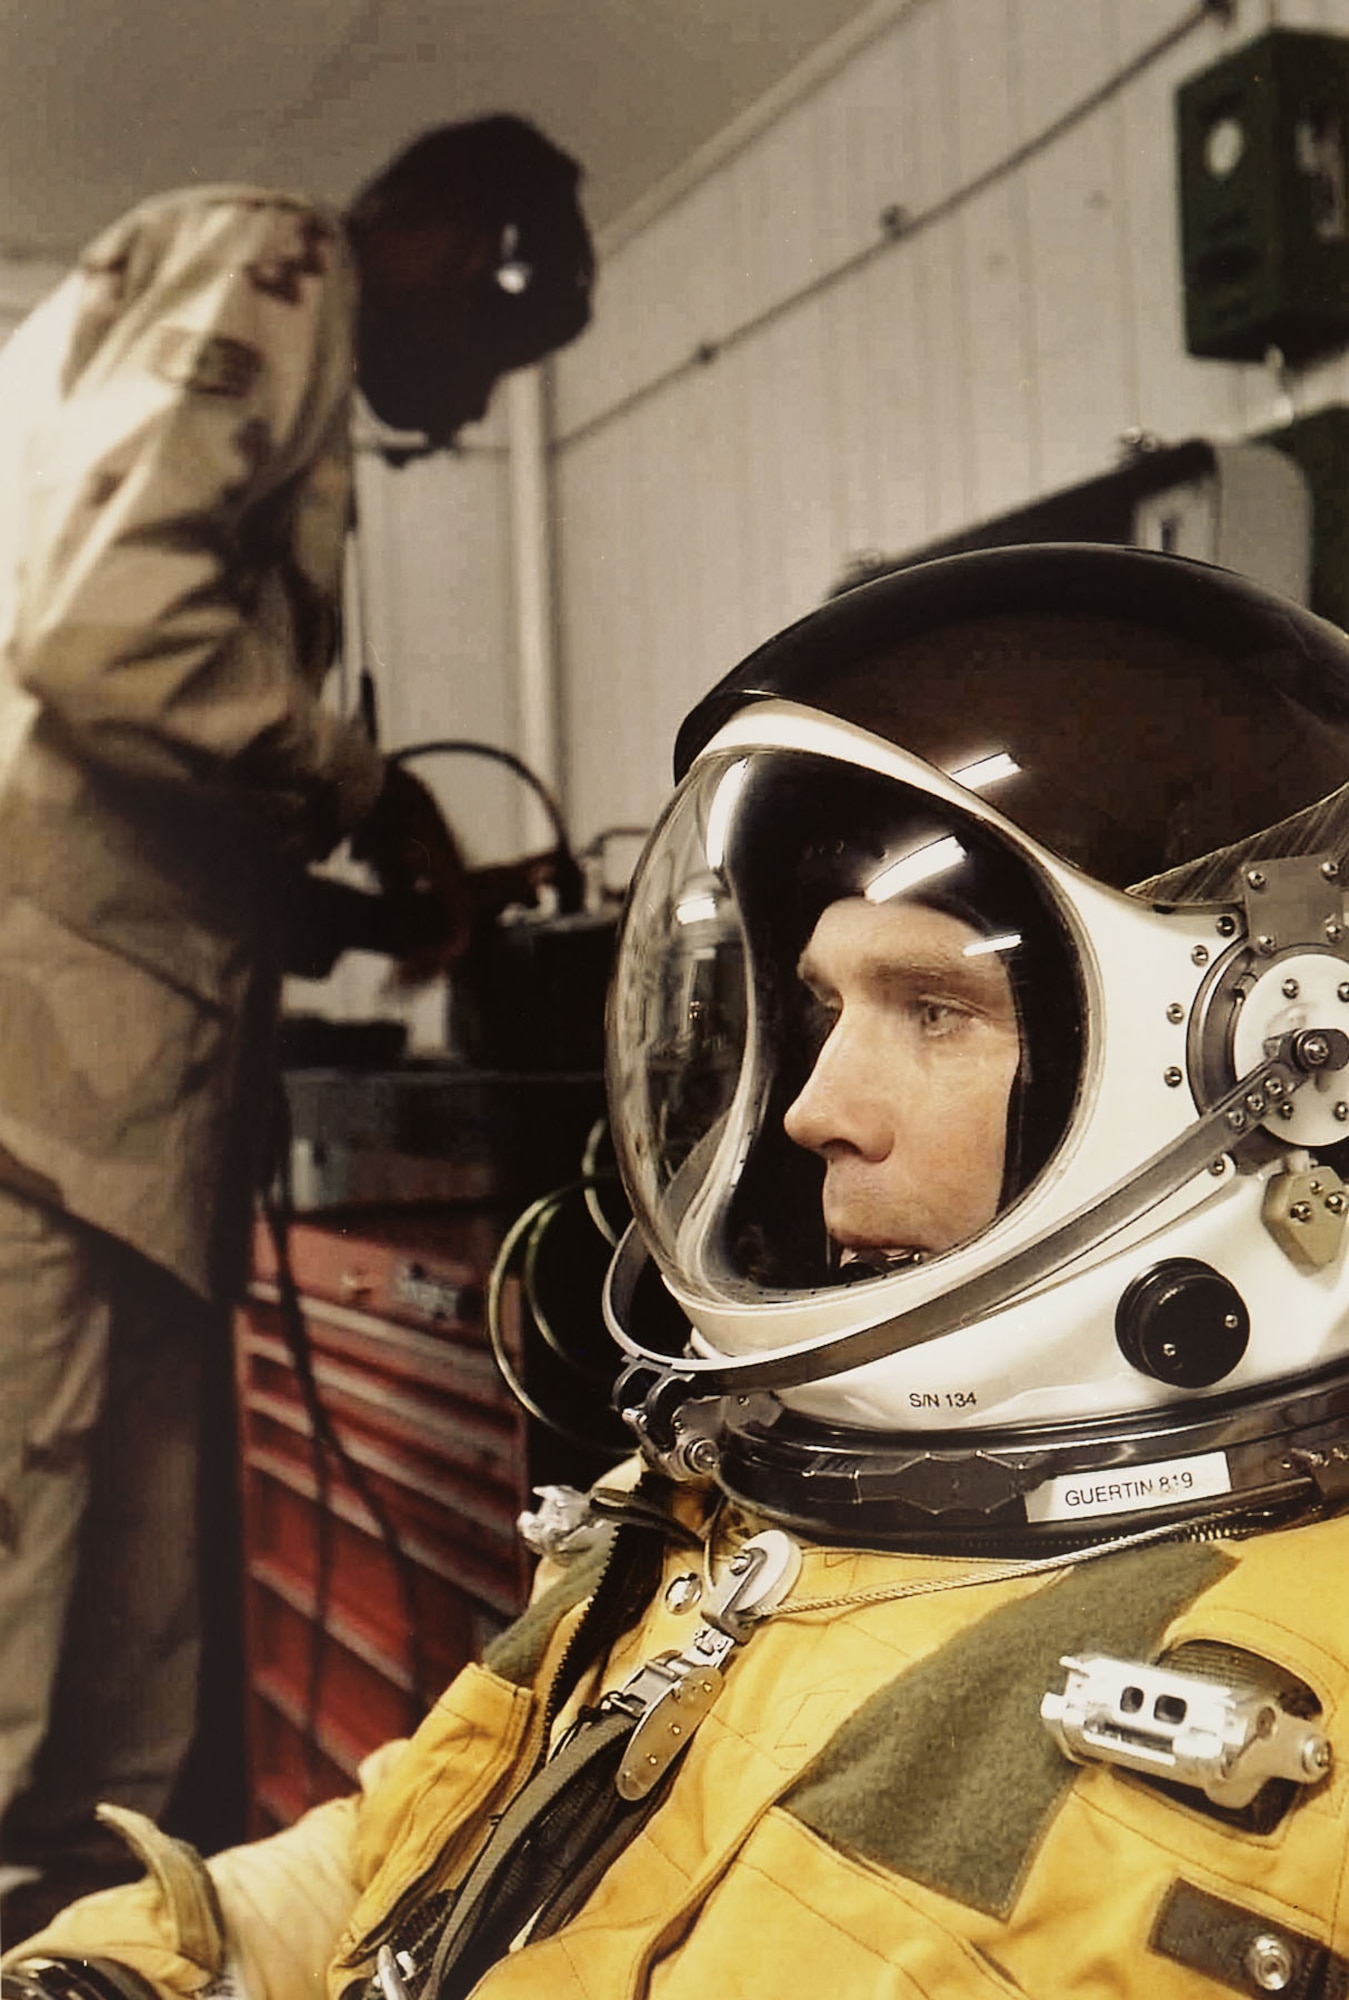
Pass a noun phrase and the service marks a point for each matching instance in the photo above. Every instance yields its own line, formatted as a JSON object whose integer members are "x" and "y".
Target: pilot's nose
{"x": 842, "y": 1104}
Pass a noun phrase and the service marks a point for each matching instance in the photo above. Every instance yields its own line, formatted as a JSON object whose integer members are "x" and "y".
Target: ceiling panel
{"x": 100, "y": 105}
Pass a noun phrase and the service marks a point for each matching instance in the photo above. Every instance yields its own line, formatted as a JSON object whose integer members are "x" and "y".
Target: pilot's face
{"x": 907, "y": 1103}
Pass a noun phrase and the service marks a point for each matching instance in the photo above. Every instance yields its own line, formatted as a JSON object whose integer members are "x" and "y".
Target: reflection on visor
{"x": 910, "y": 871}
{"x": 846, "y": 1027}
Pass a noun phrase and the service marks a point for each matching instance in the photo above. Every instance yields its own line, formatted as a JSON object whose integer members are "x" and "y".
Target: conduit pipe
{"x": 537, "y": 691}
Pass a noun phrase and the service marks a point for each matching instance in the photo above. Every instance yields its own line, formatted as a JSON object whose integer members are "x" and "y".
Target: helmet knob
{"x": 1183, "y": 1323}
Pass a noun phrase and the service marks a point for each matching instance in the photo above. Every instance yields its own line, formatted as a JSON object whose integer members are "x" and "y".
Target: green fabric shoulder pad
{"x": 517, "y": 1654}
{"x": 947, "y": 1775}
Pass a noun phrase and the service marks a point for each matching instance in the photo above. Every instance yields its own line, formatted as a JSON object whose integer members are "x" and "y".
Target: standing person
{"x": 979, "y": 1071}
{"x": 174, "y": 500}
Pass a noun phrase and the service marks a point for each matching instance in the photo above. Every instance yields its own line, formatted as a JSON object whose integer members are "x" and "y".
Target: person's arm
{"x": 260, "y": 1922}
{"x": 198, "y": 438}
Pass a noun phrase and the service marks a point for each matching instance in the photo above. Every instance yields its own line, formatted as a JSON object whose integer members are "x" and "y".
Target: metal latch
{"x": 1307, "y": 1213}
{"x": 671, "y": 1694}
{"x": 1223, "y": 1740}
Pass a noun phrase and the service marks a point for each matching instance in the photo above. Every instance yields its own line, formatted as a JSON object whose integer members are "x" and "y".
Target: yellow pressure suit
{"x": 871, "y": 1807}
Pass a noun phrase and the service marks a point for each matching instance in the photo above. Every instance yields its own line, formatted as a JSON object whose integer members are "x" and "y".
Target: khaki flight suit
{"x": 174, "y": 493}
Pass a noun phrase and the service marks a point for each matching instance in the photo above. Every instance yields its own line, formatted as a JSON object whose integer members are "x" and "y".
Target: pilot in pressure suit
{"x": 979, "y": 1072}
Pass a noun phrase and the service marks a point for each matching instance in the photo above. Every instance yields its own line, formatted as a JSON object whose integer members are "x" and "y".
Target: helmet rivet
{"x": 1291, "y": 989}
{"x": 1175, "y": 1012}
{"x": 1287, "y": 1109}
{"x": 1270, "y": 1963}
{"x": 1335, "y": 1202}
{"x": 1264, "y": 944}
{"x": 1342, "y": 990}
{"x": 1217, "y": 1167}
{"x": 1341, "y": 1111}
{"x": 1330, "y": 869}
{"x": 1301, "y": 1211}
{"x": 1255, "y": 878}
{"x": 1199, "y": 956}
{"x": 1334, "y": 931}
{"x": 1236, "y": 1119}
{"x": 1174, "y": 1076}
{"x": 1225, "y": 927}
{"x": 1231, "y": 1322}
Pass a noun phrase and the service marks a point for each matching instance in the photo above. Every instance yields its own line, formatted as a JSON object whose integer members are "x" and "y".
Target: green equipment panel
{"x": 1264, "y": 193}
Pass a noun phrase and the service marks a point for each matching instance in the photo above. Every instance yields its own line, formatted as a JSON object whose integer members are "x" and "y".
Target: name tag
{"x": 1130, "y": 1490}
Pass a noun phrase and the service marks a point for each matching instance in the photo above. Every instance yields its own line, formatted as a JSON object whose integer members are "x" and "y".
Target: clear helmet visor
{"x": 846, "y": 1027}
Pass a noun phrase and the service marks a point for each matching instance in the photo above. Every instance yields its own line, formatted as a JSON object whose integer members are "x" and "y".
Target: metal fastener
{"x": 1225, "y": 927}
{"x": 1301, "y": 1211}
{"x": 1341, "y": 1110}
{"x": 1330, "y": 869}
{"x": 1291, "y": 989}
{"x": 1287, "y": 1109}
{"x": 1334, "y": 931}
{"x": 1317, "y": 1756}
{"x": 683, "y": 1592}
{"x": 1336, "y": 1203}
{"x": 702, "y": 1457}
{"x": 1342, "y": 990}
{"x": 1175, "y": 1012}
{"x": 1174, "y": 1077}
{"x": 1264, "y": 944}
{"x": 1270, "y": 1963}
{"x": 1255, "y": 878}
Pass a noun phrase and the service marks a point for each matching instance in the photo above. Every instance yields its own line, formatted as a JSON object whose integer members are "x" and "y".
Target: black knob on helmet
{"x": 1183, "y": 1323}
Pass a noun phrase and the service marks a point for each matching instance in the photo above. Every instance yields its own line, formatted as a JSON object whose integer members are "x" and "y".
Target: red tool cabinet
{"x": 393, "y": 1302}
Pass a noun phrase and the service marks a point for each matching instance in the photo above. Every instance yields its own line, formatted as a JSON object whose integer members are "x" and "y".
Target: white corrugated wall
{"x": 994, "y": 352}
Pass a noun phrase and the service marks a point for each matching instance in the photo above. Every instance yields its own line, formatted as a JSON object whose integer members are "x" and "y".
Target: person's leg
{"x": 125, "y": 1701}
{"x": 54, "y": 1329}
{"x": 124, "y": 1705}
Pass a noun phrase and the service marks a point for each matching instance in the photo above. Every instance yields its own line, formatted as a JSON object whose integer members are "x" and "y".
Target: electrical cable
{"x": 899, "y": 225}
{"x": 590, "y": 1173}
{"x": 568, "y": 880}
{"x": 327, "y": 1447}
{"x": 469, "y": 746}
{"x": 599, "y": 1378}
{"x": 529, "y": 1225}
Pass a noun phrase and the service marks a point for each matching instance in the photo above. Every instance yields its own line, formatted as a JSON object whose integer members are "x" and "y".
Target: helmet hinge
{"x": 1292, "y": 901}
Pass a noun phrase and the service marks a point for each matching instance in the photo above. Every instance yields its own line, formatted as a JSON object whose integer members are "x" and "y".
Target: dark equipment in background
{"x": 528, "y": 994}
{"x": 1264, "y": 197}
{"x": 422, "y": 1345}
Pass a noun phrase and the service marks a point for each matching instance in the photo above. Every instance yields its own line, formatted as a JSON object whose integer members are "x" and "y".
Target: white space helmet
{"x": 979, "y": 1061}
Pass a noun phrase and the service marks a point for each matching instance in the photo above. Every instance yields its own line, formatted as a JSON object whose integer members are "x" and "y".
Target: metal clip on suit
{"x": 670, "y": 1695}
{"x": 1224, "y": 1740}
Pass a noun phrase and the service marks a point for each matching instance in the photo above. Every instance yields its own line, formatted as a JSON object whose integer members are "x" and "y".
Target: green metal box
{"x": 1264, "y": 199}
